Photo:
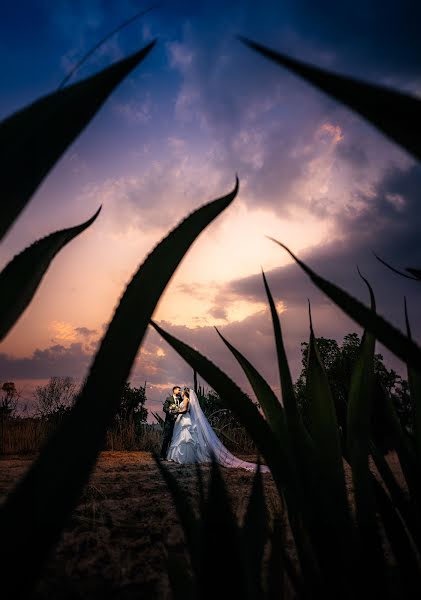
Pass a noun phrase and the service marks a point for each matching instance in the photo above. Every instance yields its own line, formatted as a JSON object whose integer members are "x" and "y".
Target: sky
{"x": 201, "y": 108}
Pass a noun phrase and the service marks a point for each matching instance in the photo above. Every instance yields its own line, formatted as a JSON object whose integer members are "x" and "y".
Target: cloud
{"x": 85, "y": 331}
{"x": 60, "y": 360}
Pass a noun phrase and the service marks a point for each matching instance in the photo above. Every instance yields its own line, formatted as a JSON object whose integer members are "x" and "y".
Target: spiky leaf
{"x": 386, "y": 333}
{"x": 33, "y": 139}
{"x": 34, "y": 514}
{"x": 20, "y": 279}
{"x": 394, "y": 113}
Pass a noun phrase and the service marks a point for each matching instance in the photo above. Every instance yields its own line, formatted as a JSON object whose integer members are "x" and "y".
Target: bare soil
{"x": 115, "y": 545}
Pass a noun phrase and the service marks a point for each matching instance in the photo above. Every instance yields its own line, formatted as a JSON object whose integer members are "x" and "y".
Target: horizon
{"x": 201, "y": 108}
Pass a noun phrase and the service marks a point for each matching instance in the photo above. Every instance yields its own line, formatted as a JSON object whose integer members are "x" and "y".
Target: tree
{"x": 8, "y": 400}
{"x": 55, "y": 398}
{"x": 132, "y": 406}
{"x": 339, "y": 361}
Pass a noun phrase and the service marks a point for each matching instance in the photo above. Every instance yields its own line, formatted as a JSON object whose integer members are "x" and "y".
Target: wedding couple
{"x": 188, "y": 436}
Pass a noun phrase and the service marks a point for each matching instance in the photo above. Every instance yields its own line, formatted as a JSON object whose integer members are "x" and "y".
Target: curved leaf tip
{"x": 309, "y": 316}
{"x": 370, "y": 289}
{"x": 408, "y": 327}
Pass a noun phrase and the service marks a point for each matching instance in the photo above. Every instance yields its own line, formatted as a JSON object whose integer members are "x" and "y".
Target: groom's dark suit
{"x": 168, "y": 426}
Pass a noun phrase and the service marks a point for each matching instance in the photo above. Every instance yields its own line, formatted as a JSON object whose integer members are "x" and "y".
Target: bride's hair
{"x": 186, "y": 392}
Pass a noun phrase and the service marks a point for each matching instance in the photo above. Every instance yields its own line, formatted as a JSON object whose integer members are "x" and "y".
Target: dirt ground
{"x": 115, "y": 545}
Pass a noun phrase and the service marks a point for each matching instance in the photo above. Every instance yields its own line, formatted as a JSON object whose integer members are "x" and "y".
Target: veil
{"x": 210, "y": 443}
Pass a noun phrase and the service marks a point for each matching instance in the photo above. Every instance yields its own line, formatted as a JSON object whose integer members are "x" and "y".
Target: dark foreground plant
{"x": 370, "y": 548}
{"x": 35, "y": 512}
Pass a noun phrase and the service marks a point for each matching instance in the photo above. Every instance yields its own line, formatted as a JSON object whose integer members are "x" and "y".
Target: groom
{"x": 170, "y": 417}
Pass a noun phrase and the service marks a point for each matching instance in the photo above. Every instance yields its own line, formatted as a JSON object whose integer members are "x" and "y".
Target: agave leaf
{"x": 393, "y": 268}
{"x": 360, "y": 397}
{"x": 312, "y": 499}
{"x": 276, "y": 580}
{"x": 406, "y": 509}
{"x": 308, "y": 466}
{"x": 33, "y": 516}
{"x": 33, "y": 139}
{"x": 394, "y": 113}
{"x": 415, "y": 272}
{"x": 414, "y": 381}
{"x": 101, "y": 42}
{"x": 401, "y": 545}
{"x": 200, "y": 487}
{"x": 324, "y": 429}
{"x": 222, "y": 542}
{"x": 386, "y": 333}
{"x": 405, "y": 449}
{"x": 288, "y": 395}
{"x": 20, "y": 279}
{"x": 255, "y": 532}
{"x": 182, "y": 506}
{"x": 158, "y": 418}
{"x": 270, "y": 404}
{"x": 181, "y": 583}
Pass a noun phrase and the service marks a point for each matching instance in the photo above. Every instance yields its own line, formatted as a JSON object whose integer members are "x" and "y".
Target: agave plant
{"x": 341, "y": 547}
{"x": 33, "y": 139}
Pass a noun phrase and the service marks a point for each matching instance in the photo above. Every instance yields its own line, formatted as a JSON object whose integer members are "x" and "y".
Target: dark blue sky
{"x": 199, "y": 109}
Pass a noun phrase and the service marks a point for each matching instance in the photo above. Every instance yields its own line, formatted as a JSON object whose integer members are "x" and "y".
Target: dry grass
{"x": 115, "y": 543}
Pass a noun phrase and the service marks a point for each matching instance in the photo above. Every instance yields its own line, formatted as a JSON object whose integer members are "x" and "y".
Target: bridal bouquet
{"x": 173, "y": 407}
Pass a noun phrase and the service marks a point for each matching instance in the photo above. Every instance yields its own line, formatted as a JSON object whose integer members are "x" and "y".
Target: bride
{"x": 194, "y": 440}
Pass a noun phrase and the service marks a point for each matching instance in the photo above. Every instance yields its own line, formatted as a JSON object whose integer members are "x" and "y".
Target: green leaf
{"x": 255, "y": 532}
{"x": 332, "y": 544}
{"x": 20, "y": 279}
{"x": 270, "y": 404}
{"x": 221, "y": 546}
{"x": 324, "y": 431}
{"x": 386, "y": 333}
{"x": 394, "y": 113}
{"x": 415, "y": 272}
{"x": 288, "y": 395}
{"x": 281, "y": 564}
{"x": 407, "y": 509}
{"x": 360, "y": 398}
{"x": 312, "y": 499}
{"x": 182, "y": 506}
{"x": 414, "y": 381}
{"x": 34, "y": 514}
{"x": 393, "y": 268}
{"x": 401, "y": 545}
{"x": 33, "y": 139}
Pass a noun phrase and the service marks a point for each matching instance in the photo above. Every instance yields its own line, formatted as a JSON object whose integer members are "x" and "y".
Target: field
{"x": 115, "y": 543}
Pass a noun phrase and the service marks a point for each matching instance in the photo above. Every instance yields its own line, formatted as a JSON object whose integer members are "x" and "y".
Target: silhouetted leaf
{"x": 393, "y": 268}
{"x": 20, "y": 279}
{"x": 414, "y": 381}
{"x": 415, "y": 272}
{"x": 36, "y": 511}
{"x": 360, "y": 399}
{"x": 400, "y": 543}
{"x": 386, "y": 333}
{"x": 33, "y": 139}
{"x": 270, "y": 404}
{"x": 396, "y": 114}
{"x": 324, "y": 431}
{"x": 313, "y": 500}
{"x": 221, "y": 553}
{"x": 406, "y": 509}
{"x": 101, "y": 42}
{"x": 255, "y": 533}
{"x": 309, "y": 470}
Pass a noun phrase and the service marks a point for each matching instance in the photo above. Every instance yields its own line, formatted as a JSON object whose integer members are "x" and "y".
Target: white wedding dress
{"x": 194, "y": 441}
